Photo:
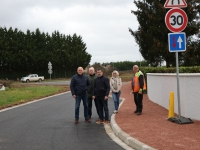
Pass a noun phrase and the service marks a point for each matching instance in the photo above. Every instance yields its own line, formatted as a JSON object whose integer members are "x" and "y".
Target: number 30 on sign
{"x": 176, "y": 20}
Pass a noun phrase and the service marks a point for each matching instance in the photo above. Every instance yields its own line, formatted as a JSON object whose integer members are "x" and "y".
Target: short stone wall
{"x": 160, "y": 85}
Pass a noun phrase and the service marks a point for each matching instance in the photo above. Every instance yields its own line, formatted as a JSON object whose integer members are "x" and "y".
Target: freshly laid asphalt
{"x": 49, "y": 125}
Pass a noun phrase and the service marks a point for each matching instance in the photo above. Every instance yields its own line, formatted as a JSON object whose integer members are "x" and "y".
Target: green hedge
{"x": 127, "y": 75}
{"x": 145, "y": 70}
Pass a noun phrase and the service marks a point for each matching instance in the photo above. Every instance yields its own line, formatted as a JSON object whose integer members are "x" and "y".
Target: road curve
{"x": 48, "y": 125}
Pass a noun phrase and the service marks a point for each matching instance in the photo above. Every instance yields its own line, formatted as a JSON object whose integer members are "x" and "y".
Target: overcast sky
{"x": 103, "y": 24}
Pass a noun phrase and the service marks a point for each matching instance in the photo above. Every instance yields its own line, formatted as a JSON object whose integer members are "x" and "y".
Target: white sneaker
{"x": 115, "y": 111}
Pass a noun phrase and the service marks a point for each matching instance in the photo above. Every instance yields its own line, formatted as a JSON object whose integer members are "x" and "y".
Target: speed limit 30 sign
{"x": 176, "y": 20}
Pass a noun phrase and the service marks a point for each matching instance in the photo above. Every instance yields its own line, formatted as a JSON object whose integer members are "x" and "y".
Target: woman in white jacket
{"x": 115, "y": 85}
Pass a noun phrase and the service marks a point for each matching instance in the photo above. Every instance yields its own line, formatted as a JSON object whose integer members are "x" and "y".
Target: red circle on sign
{"x": 168, "y": 16}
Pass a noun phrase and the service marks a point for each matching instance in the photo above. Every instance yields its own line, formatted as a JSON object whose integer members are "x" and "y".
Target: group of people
{"x": 96, "y": 87}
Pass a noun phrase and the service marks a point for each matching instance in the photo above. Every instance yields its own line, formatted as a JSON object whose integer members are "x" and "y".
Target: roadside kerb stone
{"x": 112, "y": 135}
{"x": 126, "y": 138}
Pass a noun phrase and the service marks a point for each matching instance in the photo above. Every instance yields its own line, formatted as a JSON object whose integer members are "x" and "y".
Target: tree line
{"x": 125, "y": 65}
{"x": 152, "y": 33}
{"x": 108, "y": 67}
{"x": 30, "y": 52}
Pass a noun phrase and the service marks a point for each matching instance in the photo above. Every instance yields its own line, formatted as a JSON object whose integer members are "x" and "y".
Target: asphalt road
{"x": 49, "y": 125}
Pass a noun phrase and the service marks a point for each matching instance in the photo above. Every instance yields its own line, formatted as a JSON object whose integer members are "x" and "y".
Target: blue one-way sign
{"x": 177, "y": 42}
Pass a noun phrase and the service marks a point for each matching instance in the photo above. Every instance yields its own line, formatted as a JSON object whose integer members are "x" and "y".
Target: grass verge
{"x": 45, "y": 80}
{"x": 18, "y": 95}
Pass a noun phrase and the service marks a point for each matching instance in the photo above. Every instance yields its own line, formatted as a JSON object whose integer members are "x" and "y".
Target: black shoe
{"x": 139, "y": 113}
{"x": 135, "y": 111}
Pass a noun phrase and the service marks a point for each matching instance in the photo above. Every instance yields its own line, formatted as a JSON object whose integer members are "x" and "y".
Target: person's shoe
{"x": 139, "y": 113}
{"x": 135, "y": 111}
{"x": 76, "y": 122}
{"x": 106, "y": 122}
{"x": 87, "y": 120}
{"x": 115, "y": 111}
{"x": 99, "y": 121}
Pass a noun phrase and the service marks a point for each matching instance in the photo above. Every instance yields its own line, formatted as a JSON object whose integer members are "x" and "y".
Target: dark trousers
{"x": 138, "y": 101}
{"x": 103, "y": 107}
{"x": 90, "y": 106}
{"x": 78, "y": 99}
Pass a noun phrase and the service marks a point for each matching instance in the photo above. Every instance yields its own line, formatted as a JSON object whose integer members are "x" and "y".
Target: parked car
{"x": 32, "y": 77}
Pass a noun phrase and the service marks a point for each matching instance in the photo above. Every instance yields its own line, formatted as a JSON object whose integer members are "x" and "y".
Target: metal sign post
{"x": 176, "y": 21}
{"x": 50, "y": 69}
{"x": 178, "y": 85}
{"x": 179, "y": 119}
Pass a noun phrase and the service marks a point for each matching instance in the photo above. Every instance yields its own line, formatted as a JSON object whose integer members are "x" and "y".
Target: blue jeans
{"x": 115, "y": 97}
{"x": 77, "y": 105}
{"x": 103, "y": 105}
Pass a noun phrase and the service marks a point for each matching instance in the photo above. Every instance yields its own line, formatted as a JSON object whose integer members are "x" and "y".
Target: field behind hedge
{"x": 127, "y": 75}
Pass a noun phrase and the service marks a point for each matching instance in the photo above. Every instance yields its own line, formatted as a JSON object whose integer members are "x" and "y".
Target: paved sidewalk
{"x": 151, "y": 129}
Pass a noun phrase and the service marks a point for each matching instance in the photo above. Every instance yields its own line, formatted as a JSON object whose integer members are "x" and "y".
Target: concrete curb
{"x": 126, "y": 138}
{"x": 112, "y": 135}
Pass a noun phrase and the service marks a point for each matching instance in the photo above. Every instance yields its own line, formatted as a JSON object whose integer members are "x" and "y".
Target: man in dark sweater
{"x": 92, "y": 76}
{"x": 101, "y": 92}
{"x": 79, "y": 86}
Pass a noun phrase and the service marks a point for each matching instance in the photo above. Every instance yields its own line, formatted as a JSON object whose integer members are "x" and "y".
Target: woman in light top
{"x": 115, "y": 86}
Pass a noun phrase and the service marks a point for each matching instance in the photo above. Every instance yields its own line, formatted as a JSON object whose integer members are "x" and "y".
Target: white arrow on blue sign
{"x": 177, "y": 42}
